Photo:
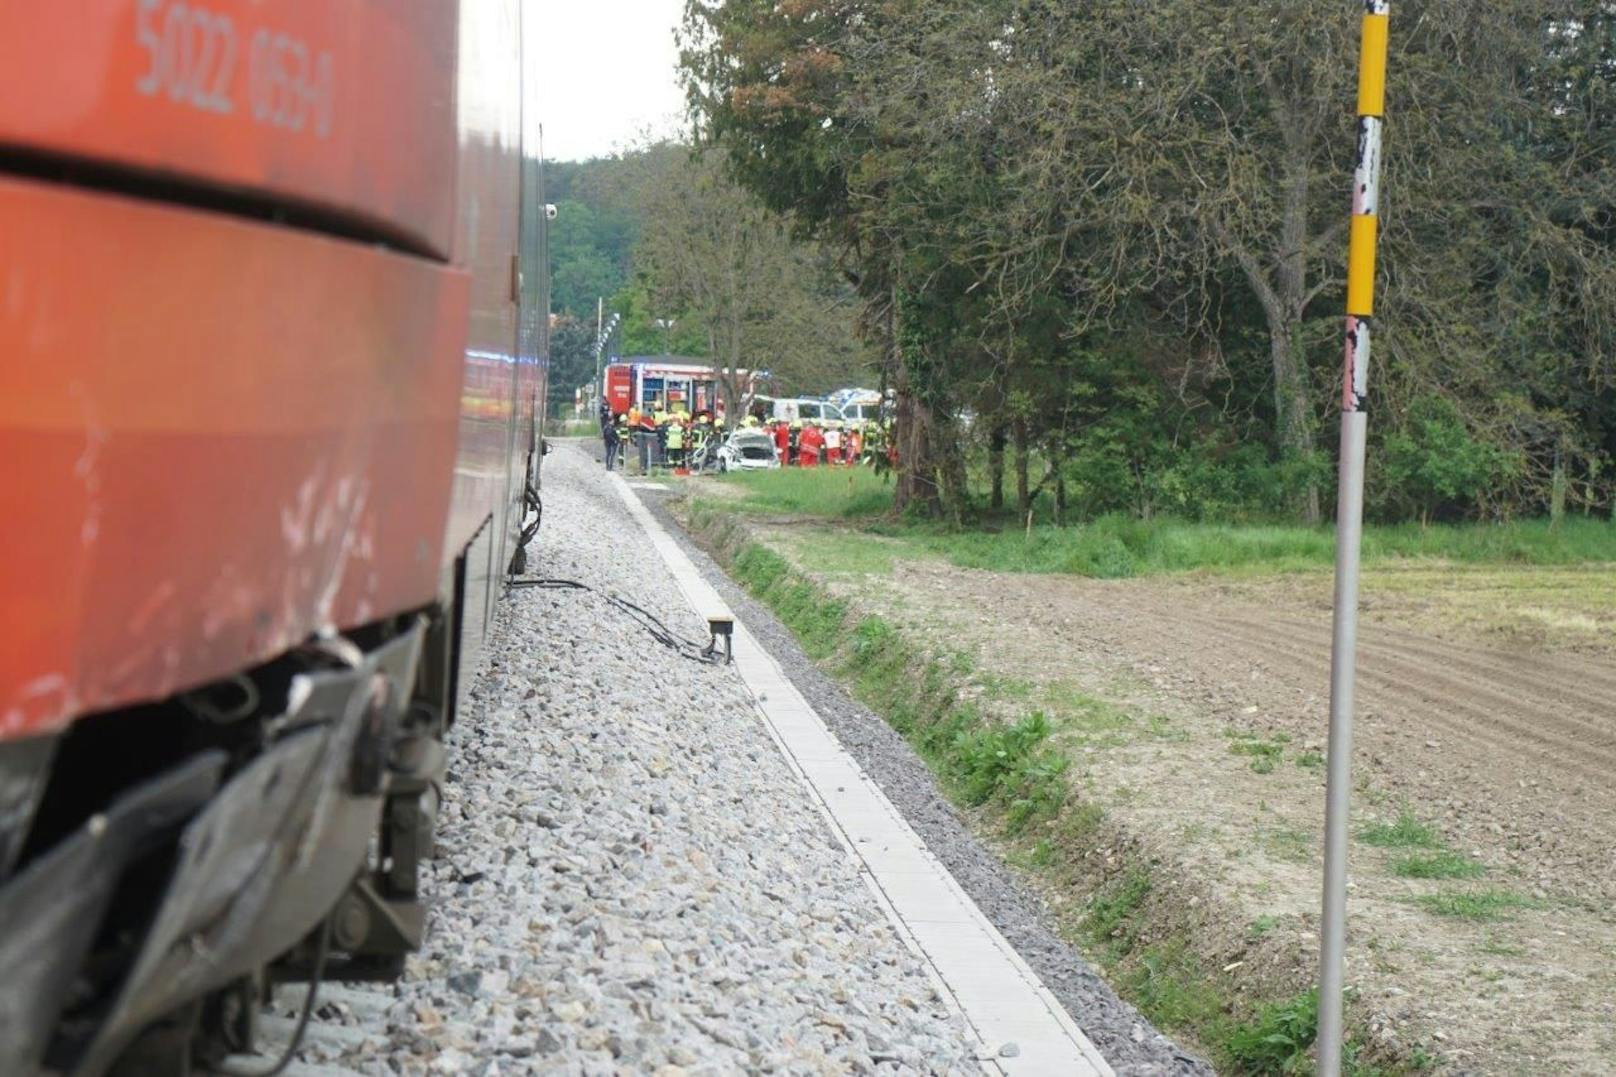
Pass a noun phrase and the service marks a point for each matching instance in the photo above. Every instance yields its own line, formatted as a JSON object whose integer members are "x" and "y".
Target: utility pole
{"x": 603, "y": 333}
{"x": 1349, "y": 527}
{"x": 600, "y": 338}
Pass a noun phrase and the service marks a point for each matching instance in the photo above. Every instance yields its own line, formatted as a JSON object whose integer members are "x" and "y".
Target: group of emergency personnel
{"x": 808, "y": 444}
{"x": 664, "y": 437}
{"x": 674, "y": 438}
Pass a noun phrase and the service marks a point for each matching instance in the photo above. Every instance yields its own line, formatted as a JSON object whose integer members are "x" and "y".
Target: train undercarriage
{"x": 161, "y": 871}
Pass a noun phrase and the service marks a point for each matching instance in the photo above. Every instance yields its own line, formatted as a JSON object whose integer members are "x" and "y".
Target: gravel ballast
{"x": 631, "y": 878}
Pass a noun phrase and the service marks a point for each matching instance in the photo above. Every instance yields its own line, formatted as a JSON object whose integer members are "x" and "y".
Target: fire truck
{"x": 640, "y": 382}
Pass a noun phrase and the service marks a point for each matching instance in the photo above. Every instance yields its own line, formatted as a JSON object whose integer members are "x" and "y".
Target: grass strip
{"x": 1406, "y": 832}
{"x": 1115, "y": 546}
{"x": 1481, "y": 905}
{"x": 1444, "y": 864}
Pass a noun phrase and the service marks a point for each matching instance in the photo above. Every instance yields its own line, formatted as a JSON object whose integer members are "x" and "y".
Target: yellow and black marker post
{"x": 1365, "y": 235}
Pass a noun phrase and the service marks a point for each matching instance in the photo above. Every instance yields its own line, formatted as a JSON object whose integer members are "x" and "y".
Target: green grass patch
{"x": 1474, "y": 904}
{"x": 850, "y": 493}
{"x": 1110, "y": 914}
{"x": 1406, "y": 832}
{"x": 1442, "y": 864}
{"x": 814, "y": 617}
{"x": 832, "y": 552}
{"x": 1008, "y": 688}
{"x": 1262, "y": 926}
{"x": 1265, "y": 754}
{"x": 1117, "y": 547}
{"x": 1495, "y": 947}
{"x": 1090, "y": 722}
{"x": 1171, "y": 987}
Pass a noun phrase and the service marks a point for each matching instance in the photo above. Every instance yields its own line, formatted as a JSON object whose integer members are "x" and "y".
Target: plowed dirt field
{"x": 1487, "y": 723}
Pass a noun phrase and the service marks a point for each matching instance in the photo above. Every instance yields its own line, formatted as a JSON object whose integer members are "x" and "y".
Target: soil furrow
{"x": 1386, "y": 679}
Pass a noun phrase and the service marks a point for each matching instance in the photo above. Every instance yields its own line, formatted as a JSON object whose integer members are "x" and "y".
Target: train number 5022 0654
{"x": 196, "y": 58}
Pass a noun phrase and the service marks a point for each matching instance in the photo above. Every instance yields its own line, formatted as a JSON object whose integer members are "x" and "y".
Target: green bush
{"x": 1008, "y": 763}
{"x": 1433, "y": 467}
{"x": 1278, "y": 1040}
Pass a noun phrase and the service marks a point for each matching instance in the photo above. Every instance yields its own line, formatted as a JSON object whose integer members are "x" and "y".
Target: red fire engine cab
{"x": 642, "y": 383}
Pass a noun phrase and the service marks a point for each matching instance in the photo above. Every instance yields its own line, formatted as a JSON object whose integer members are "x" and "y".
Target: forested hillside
{"x": 1114, "y": 234}
{"x": 661, "y": 235}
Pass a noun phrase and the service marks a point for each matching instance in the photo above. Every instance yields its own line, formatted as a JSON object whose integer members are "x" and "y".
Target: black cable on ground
{"x": 321, "y": 953}
{"x": 704, "y": 653}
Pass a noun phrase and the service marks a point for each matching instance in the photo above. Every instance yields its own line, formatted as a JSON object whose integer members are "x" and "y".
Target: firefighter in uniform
{"x": 608, "y": 433}
{"x": 659, "y": 428}
{"x": 808, "y": 445}
{"x": 700, "y": 433}
{"x": 675, "y": 437}
{"x": 624, "y": 432}
{"x": 646, "y": 432}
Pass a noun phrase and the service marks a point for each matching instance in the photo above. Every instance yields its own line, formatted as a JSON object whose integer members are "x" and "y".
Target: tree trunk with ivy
{"x": 1023, "y": 484}
{"x": 916, "y": 487}
{"x": 948, "y": 453}
{"x": 996, "y": 446}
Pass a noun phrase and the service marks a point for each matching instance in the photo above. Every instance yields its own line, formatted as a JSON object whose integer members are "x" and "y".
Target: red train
{"x": 273, "y": 315}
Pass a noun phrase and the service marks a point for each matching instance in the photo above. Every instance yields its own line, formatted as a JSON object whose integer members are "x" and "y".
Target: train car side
{"x": 267, "y": 396}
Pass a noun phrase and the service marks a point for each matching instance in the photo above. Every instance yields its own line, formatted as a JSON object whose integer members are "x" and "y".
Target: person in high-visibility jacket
{"x": 676, "y": 442}
{"x": 701, "y": 431}
{"x": 658, "y": 441}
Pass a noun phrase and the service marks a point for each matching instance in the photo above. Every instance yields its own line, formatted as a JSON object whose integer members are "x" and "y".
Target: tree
{"x": 713, "y": 252}
{"x": 589, "y": 256}
{"x": 572, "y": 360}
{"x": 1018, "y": 186}
{"x": 770, "y": 83}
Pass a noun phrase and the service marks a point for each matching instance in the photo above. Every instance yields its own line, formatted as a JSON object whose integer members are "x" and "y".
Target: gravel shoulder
{"x": 630, "y": 879}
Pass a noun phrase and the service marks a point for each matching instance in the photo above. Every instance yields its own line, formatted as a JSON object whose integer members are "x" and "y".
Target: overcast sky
{"x": 606, "y": 73}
